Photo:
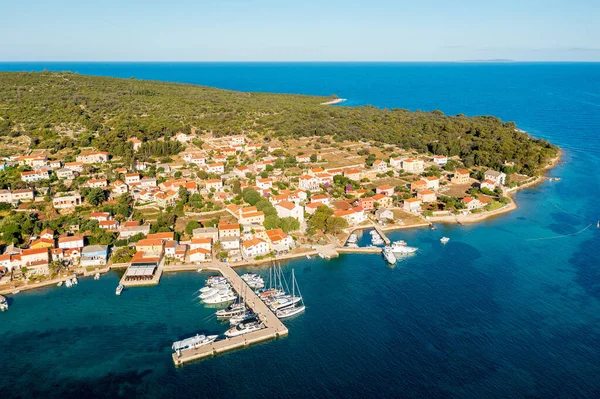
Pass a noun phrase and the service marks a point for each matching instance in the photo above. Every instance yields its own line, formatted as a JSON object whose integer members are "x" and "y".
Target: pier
{"x": 359, "y": 250}
{"x": 273, "y": 326}
{"x": 382, "y": 234}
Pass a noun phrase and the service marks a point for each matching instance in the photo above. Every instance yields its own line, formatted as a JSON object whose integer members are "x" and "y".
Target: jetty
{"x": 274, "y": 328}
{"x": 359, "y": 250}
{"x": 380, "y": 231}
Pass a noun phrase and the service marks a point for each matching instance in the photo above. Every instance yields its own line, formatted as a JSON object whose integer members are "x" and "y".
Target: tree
{"x": 191, "y": 226}
{"x": 370, "y": 159}
{"x": 313, "y": 158}
{"x": 251, "y": 196}
{"x": 289, "y": 223}
{"x": 183, "y": 194}
{"x": 335, "y": 224}
{"x": 236, "y": 187}
{"x": 319, "y": 218}
{"x": 123, "y": 255}
{"x": 95, "y": 196}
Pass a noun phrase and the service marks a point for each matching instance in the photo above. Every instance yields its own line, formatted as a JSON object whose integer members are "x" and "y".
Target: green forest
{"x": 67, "y": 110}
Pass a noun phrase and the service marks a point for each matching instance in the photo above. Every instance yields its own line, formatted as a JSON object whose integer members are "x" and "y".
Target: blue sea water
{"x": 509, "y": 308}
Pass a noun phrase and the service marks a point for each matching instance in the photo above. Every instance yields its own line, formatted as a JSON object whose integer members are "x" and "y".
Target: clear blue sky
{"x": 305, "y": 30}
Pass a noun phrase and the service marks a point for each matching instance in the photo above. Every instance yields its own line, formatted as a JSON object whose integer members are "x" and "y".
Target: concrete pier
{"x": 359, "y": 250}
{"x": 382, "y": 234}
{"x": 273, "y": 326}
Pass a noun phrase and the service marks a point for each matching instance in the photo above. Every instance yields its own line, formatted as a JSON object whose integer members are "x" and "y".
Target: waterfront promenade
{"x": 273, "y": 326}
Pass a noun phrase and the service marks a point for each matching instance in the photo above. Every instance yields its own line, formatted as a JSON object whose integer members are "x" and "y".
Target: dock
{"x": 274, "y": 328}
{"x": 359, "y": 250}
{"x": 382, "y": 234}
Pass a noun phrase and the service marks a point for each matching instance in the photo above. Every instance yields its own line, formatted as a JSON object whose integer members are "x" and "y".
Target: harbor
{"x": 273, "y": 327}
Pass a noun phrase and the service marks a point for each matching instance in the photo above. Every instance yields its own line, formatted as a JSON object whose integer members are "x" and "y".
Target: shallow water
{"x": 491, "y": 314}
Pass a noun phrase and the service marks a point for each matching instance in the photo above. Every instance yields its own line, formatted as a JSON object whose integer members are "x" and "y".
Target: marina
{"x": 272, "y": 327}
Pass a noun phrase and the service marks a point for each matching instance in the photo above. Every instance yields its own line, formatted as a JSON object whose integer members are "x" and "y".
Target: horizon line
{"x": 474, "y": 61}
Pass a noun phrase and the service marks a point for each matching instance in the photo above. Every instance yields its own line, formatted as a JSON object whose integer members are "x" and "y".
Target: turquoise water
{"x": 494, "y": 313}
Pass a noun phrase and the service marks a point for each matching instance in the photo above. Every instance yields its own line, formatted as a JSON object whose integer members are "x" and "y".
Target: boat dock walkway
{"x": 273, "y": 326}
{"x": 382, "y": 234}
{"x": 359, "y": 250}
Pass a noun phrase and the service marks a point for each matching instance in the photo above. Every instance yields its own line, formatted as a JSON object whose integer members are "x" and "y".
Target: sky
{"x": 305, "y": 30}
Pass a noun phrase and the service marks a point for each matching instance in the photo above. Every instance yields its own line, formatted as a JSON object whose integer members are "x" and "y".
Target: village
{"x": 236, "y": 199}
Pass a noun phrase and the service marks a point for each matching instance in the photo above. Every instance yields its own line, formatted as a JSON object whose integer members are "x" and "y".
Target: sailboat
{"x": 292, "y": 310}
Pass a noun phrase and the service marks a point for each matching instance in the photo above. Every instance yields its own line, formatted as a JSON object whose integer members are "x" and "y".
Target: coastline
{"x": 333, "y": 102}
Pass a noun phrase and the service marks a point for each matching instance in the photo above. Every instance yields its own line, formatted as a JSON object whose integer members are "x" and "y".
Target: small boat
{"x": 237, "y": 319}
{"x": 120, "y": 288}
{"x": 59, "y": 284}
{"x": 221, "y": 298}
{"x": 388, "y": 255}
{"x": 289, "y": 312}
{"x": 232, "y": 310}
{"x": 97, "y": 276}
{"x": 322, "y": 256}
{"x": 3, "y": 303}
{"x": 307, "y": 256}
{"x": 284, "y": 302}
{"x": 244, "y": 327}
{"x": 398, "y": 247}
{"x": 68, "y": 283}
{"x": 74, "y": 281}
{"x": 444, "y": 240}
{"x": 15, "y": 292}
{"x": 598, "y": 224}
{"x": 193, "y": 342}
{"x": 253, "y": 280}
{"x": 353, "y": 239}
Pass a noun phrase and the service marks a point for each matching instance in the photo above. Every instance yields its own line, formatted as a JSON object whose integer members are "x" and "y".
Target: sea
{"x": 509, "y": 308}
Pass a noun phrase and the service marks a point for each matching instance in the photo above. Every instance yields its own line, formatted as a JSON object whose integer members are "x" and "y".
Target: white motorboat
{"x": 59, "y": 284}
{"x": 74, "y": 281}
{"x": 444, "y": 240}
{"x": 352, "y": 240}
{"x": 3, "y": 303}
{"x": 68, "y": 283}
{"x": 193, "y": 342}
{"x": 388, "y": 255}
{"x": 284, "y": 302}
{"x": 289, "y": 312}
{"x": 253, "y": 280}
{"x": 399, "y": 247}
{"x": 216, "y": 280}
{"x": 120, "y": 288}
{"x": 232, "y": 310}
{"x": 237, "y": 319}
{"x": 97, "y": 276}
{"x": 208, "y": 293}
{"x": 221, "y": 298}
{"x": 307, "y": 256}
{"x": 245, "y": 327}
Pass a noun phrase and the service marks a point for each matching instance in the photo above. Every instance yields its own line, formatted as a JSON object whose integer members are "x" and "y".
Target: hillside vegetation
{"x": 66, "y": 110}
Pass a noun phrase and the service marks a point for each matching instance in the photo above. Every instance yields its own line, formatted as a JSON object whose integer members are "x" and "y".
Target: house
{"x": 200, "y": 255}
{"x": 55, "y": 164}
{"x": 147, "y": 182}
{"x": 42, "y": 243}
{"x": 412, "y": 205}
{"x": 229, "y": 230}
{"x": 353, "y": 216}
{"x": 250, "y": 215}
{"x": 68, "y": 242}
{"x": 32, "y": 160}
{"x": 66, "y": 200}
{"x": 367, "y": 203}
{"x": 352, "y": 174}
{"x": 108, "y": 224}
{"x": 312, "y": 207}
{"x": 320, "y": 198}
{"x": 214, "y": 184}
{"x": 255, "y": 247}
{"x": 382, "y": 201}
{"x": 384, "y": 215}
{"x": 230, "y": 243}
{"x": 182, "y": 137}
{"x": 280, "y": 241}
{"x": 48, "y": 234}
{"x": 150, "y": 245}
{"x": 206, "y": 232}
{"x": 440, "y": 160}
{"x": 132, "y": 178}
{"x": 93, "y": 157}
{"x": 379, "y": 165}
{"x": 94, "y": 255}
{"x": 74, "y": 166}
{"x": 324, "y": 179}
{"x": 461, "y": 176}
{"x": 488, "y": 184}
{"x": 240, "y": 171}
{"x": 426, "y": 196}
{"x": 498, "y": 178}
{"x": 35, "y": 176}
{"x": 264, "y": 184}
{"x": 130, "y": 229}
{"x": 65, "y": 173}
{"x": 229, "y": 152}
{"x": 418, "y": 185}
{"x": 119, "y": 188}
{"x": 181, "y": 252}
{"x": 165, "y": 236}
{"x": 217, "y": 168}
{"x": 97, "y": 183}
{"x": 305, "y": 158}
{"x": 433, "y": 182}
{"x": 289, "y": 209}
{"x": 12, "y": 197}
{"x": 396, "y": 163}
{"x": 472, "y": 203}
{"x": 385, "y": 190}
{"x": 35, "y": 260}
{"x": 309, "y": 183}
{"x": 205, "y": 243}
{"x": 237, "y": 140}
{"x": 413, "y": 165}
{"x": 136, "y": 143}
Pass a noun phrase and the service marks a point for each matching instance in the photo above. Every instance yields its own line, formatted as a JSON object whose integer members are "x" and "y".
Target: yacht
{"x": 353, "y": 239}
{"x": 388, "y": 255}
{"x": 231, "y": 310}
{"x": 216, "y": 280}
{"x": 399, "y": 247}
{"x": 208, "y": 293}
{"x": 244, "y": 327}
{"x": 284, "y": 302}
{"x": 239, "y": 318}
{"x": 444, "y": 240}
{"x": 193, "y": 342}
{"x": 221, "y": 297}
{"x": 376, "y": 238}
{"x": 68, "y": 283}
{"x": 289, "y": 312}
{"x": 120, "y": 288}
{"x": 253, "y": 280}
{"x": 3, "y": 303}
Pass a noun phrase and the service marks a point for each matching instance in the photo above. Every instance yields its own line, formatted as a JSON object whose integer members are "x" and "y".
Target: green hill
{"x": 61, "y": 110}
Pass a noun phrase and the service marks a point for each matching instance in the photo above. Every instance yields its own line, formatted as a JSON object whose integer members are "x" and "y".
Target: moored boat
{"x": 221, "y": 297}
{"x": 444, "y": 240}
{"x": 237, "y": 319}
{"x": 231, "y": 310}
{"x": 68, "y": 283}
{"x": 388, "y": 255}
{"x": 97, "y": 276}
{"x": 245, "y": 327}
{"x": 193, "y": 342}
{"x": 3, "y": 303}
{"x": 289, "y": 312}
{"x": 399, "y": 247}
{"x": 119, "y": 290}
{"x": 59, "y": 284}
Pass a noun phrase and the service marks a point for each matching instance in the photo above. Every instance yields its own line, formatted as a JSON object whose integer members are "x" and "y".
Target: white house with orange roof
{"x": 119, "y": 187}
{"x": 93, "y": 157}
{"x": 412, "y": 205}
{"x": 74, "y": 166}
{"x": 440, "y": 160}
{"x": 472, "y": 203}
{"x": 255, "y": 247}
{"x": 433, "y": 182}
{"x": 352, "y": 174}
{"x": 100, "y": 216}
{"x": 65, "y": 173}
{"x": 385, "y": 190}
{"x": 136, "y": 143}
{"x": 97, "y": 183}
{"x": 396, "y": 163}
{"x": 413, "y": 165}
{"x": 112, "y": 225}
{"x": 204, "y": 242}
{"x": 353, "y": 216}
{"x": 35, "y": 176}
{"x": 67, "y": 242}
{"x": 427, "y": 196}
{"x": 216, "y": 167}
{"x": 183, "y": 138}
{"x": 461, "y": 176}
{"x": 306, "y": 182}
{"x": 489, "y": 184}
{"x": 289, "y": 209}
{"x": 200, "y": 255}
{"x": 304, "y": 158}
{"x": 213, "y": 184}
{"x": 264, "y": 184}
{"x": 380, "y": 165}
{"x": 132, "y": 178}
{"x": 321, "y": 198}
{"x": 280, "y": 241}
